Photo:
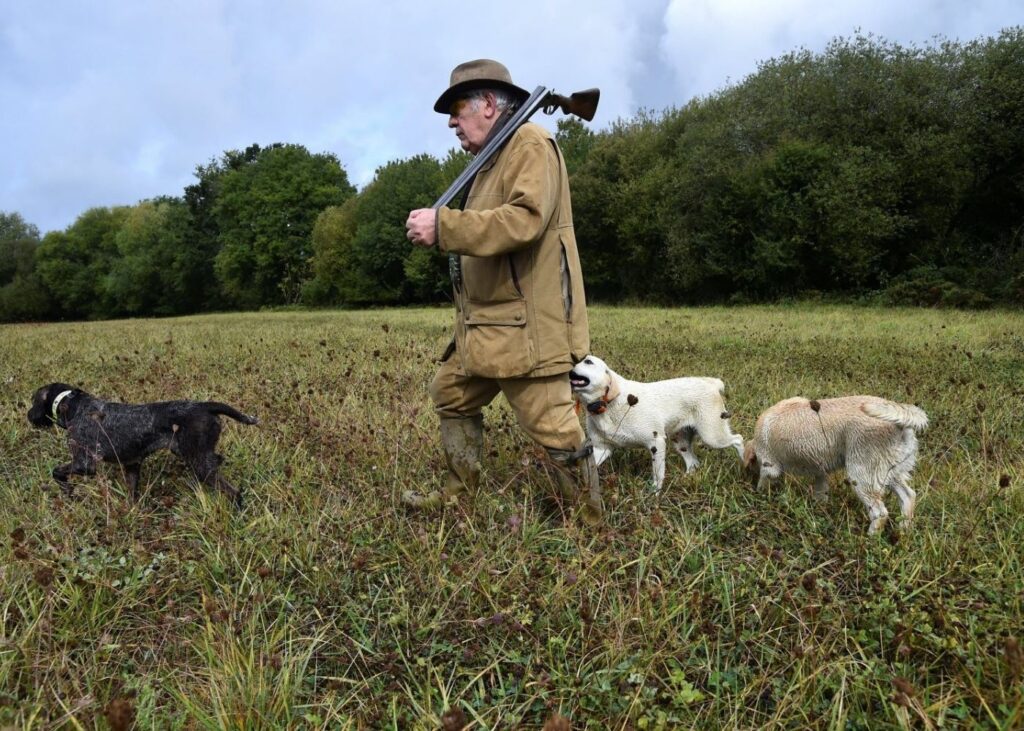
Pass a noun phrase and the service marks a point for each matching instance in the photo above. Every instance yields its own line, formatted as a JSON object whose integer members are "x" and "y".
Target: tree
{"x": 380, "y": 247}
{"x": 265, "y": 205}
{"x": 73, "y": 264}
{"x": 204, "y": 234}
{"x": 159, "y": 270}
{"x": 990, "y": 217}
{"x": 575, "y": 140}
{"x": 22, "y": 294}
{"x": 18, "y": 241}
{"x": 336, "y": 278}
{"x": 619, "y": 195}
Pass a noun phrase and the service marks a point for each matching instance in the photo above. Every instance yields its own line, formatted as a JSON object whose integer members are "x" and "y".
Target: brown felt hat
{"x": 480, "y": 74}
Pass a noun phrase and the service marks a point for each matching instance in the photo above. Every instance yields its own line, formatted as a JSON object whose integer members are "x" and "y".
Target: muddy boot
{"x": 463, "y": 443}
{"x": 575, "y": 478}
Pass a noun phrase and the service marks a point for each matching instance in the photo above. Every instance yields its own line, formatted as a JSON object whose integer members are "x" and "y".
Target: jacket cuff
{"x": 442, "y": 213}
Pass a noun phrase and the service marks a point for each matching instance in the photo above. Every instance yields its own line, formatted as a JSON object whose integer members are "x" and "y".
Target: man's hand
{"x": 419, "y": 226}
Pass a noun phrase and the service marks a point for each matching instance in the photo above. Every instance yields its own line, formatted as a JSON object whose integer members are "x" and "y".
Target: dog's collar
{"x": 601, "y": 405}
{"x": 56, "y": 402}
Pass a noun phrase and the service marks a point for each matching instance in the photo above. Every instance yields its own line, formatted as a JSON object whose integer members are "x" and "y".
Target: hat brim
{"x": 444, "y": 102}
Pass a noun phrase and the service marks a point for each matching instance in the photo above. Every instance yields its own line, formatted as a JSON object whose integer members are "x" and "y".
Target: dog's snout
{"x": 38, "y": 418}
{"x": 578, "y": 380}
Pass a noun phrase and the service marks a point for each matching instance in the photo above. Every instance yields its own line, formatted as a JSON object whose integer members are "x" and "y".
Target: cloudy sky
{"x": 108, "y": 102}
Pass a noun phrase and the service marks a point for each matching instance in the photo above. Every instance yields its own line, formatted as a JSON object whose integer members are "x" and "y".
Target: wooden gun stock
{"x": 582, "y": 104}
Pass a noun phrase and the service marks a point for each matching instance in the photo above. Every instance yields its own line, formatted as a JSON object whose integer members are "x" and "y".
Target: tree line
{"x": 867, "y": 171}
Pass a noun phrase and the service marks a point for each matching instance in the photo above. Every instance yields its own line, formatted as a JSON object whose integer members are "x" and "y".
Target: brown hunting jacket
{"x": 521, "y": 310}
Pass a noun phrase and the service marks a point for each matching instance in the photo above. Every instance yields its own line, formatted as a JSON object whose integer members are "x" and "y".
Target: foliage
{"x": 265, "y": 211}
{"x": 575, "y": 140}
{"x": 158, "y": 271}
{"x": 938, "y": 287}
{"x": 618, "y": 197}
{"x": 325, "y": 604}
{"x": 362, "y": 255}
{"x": 22, "y": 294}
{"x": 335, "y": 277}
{"x": 73, "y": 264}
{"x": 869, "y": 171}
{"x": 834, "y": 172}
{"x": 379, "y": 246}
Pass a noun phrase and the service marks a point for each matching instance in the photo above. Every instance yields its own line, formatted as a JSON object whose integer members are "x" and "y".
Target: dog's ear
{"x": 611, "y": 384}
{"x": 749, "y": 457}
{"x": 751, "y": 466}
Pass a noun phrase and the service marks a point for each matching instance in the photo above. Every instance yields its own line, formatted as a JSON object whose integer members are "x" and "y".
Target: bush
{"x": 932, "y": 286}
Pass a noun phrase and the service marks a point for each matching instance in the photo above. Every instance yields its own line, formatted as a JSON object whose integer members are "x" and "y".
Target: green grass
{"x": 325, "y": 604}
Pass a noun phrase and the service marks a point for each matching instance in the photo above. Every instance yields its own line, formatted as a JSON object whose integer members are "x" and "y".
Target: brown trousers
{"x": 543, "y": 405}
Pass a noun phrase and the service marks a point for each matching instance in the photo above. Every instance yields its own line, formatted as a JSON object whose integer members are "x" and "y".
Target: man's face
{"x": 472, "y": 120}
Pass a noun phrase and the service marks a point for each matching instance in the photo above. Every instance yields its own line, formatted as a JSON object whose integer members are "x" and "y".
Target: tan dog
{"x": 874, "y": 439}
{"x": 625, "y": 413}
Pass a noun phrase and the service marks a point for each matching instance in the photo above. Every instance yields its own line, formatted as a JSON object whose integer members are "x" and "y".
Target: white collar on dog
{"x": 56, "y": 402}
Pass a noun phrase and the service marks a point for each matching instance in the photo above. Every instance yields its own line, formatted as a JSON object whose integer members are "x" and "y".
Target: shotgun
{"x": 582, "y": 104}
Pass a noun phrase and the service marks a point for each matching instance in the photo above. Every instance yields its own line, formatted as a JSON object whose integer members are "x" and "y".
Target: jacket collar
{"x": 502, "y": 120}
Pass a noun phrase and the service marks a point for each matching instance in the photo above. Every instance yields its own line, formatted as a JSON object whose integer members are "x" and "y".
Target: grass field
{"x": 325, "y": 604}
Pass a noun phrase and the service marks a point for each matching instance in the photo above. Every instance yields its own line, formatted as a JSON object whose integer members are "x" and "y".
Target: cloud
{"x": 709, "y": 44}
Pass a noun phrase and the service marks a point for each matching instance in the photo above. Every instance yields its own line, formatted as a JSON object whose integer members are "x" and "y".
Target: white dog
{"x": 624, "y": 413}
{"x": 874, "y": 439}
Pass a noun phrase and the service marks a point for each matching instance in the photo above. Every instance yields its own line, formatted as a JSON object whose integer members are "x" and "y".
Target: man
{"x": 521, "y": 320}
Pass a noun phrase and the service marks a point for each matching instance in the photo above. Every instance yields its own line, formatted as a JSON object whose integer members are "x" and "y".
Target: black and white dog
{"x": 127, "y": 433}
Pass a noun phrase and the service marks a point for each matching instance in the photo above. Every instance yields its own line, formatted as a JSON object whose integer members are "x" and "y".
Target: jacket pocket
{"x": 449, "y": 349}
{"x": 566, "y": 280}
{"x": 498, "y": 342}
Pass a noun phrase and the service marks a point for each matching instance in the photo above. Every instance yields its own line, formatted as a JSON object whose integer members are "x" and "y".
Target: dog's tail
{"x": 216, "y": 407}
{"x": 907, "y": 416}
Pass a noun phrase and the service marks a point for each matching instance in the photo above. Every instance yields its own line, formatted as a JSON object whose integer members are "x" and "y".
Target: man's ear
{"x": 491, "y": 106}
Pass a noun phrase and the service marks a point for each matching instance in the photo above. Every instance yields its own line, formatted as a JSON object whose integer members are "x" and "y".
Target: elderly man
{"x": 521, "y": 319}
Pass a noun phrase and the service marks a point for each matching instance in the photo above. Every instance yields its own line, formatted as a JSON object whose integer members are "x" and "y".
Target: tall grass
{"x": 326, "y": 604}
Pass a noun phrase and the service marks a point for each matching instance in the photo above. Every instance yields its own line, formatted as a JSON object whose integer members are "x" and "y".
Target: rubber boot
{"x": 463, "y": 442}
{"x": 576, "y": 479}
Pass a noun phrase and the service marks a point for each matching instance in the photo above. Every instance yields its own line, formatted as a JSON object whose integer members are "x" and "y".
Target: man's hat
{"x": 480, "y": 74}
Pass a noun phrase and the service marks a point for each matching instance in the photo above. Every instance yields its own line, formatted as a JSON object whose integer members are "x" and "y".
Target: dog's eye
{"x": 588, "y": 361}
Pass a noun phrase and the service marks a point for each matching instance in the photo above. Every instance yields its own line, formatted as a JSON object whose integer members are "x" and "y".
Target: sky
{"x": 109, "y": 102}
